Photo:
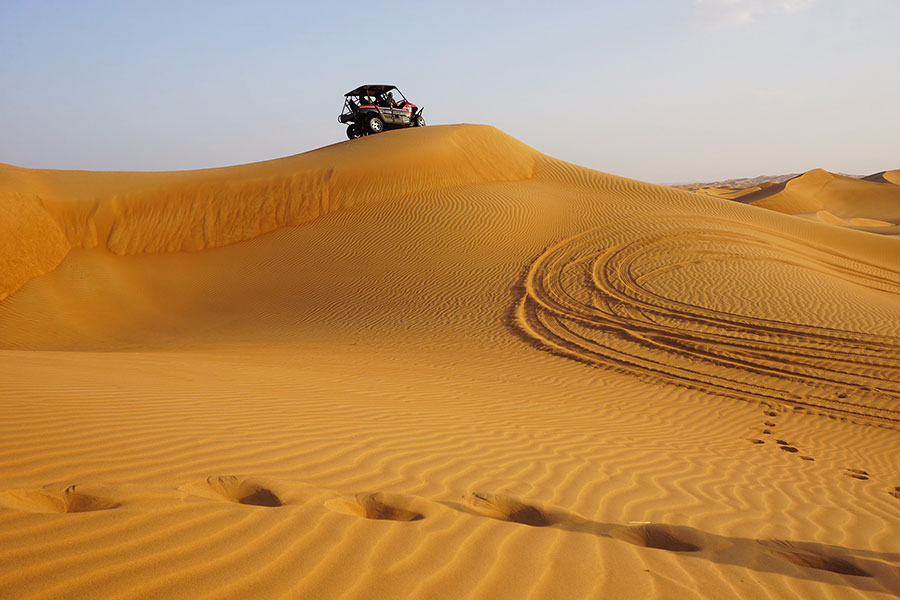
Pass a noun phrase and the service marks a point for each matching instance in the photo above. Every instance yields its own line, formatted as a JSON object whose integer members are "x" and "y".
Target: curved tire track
{"x": 589, "y": 297}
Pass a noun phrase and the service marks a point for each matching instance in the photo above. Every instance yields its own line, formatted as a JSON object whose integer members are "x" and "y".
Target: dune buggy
{"x": 373, "y": 109}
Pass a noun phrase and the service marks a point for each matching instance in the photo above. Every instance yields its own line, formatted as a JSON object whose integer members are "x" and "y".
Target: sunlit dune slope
{"x": 872, "y": 202}
{"x": 438, "y": 364}
{"x": 137, "y": 213}
{"x": 622, "y": 274}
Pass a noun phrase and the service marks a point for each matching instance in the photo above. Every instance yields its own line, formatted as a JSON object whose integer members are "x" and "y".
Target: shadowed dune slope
{"x": 438, "y": 364}
{"x": 726, "y": 192}
{"x": 885, "y": 177}
{"x": 732, "y": 192}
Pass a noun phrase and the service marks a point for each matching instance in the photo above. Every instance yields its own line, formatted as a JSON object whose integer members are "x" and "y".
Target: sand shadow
{"x": 859, "y": 569}
{"x": 378, "y": 506}
{"x": 234, "y": 489}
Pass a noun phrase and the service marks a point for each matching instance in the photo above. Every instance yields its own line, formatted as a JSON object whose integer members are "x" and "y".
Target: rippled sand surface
{"x": 436, "y": 363}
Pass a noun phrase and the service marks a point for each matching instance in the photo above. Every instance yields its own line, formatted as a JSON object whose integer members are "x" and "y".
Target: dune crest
{"x": 139, "y": 213}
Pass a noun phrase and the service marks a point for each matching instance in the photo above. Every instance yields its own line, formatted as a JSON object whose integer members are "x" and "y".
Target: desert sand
{"x": 439, "y": 364}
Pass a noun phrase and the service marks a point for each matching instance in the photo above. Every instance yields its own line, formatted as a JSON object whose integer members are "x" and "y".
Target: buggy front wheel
{"x": 419, "y": 121}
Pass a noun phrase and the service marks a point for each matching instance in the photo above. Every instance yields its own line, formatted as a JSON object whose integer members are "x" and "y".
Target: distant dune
{"x": 438, "y": 364}
{"x": 846, "y": 201}
{"x": 735, "y": 188}
{"x": 885, "y": 177}
{"x": 867, "y": 203}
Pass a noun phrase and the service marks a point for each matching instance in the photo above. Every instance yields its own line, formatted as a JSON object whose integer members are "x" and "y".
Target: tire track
{"x": 597, "y": 297}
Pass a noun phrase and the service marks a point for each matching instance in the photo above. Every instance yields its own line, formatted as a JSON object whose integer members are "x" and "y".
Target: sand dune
{"x": 885, "y": 177}
{"x": 137, "y": 213}
{"x": 436, "y": 363}
{"x": 871, "y": 203}
{"x": 734, "y": 189}
{"x": 729, "y": 193}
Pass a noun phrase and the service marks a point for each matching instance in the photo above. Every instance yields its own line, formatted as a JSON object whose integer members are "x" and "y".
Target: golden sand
{"x": 436, "y": 363}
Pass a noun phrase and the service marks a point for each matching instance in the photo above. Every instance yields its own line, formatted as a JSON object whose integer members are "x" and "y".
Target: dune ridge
{"x": 137, "y": 213}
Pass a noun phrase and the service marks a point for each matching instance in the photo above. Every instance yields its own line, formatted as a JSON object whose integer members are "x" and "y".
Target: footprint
{"x": 813, "y": 558}
{"x": 857, "y": 474}
{"x": 46, "y": 500}
{"x": 378, "y": 506}
{"x": 896, "y": 492}
{"x": 510, "y": 508}
{"x": 261, "y": 497}
{"x": 771, "y": 413}
{"x": 807, "y": 458}
{"x": 234, "y": 489}
{"x": 788, "y": 449}
{"x": 769, "y": 424}
{"x": 756, "y": 441}
{"x": 659, "y": 535}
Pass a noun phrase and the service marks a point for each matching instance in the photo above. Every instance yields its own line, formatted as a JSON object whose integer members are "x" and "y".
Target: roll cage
{"x": 371, "y": 96}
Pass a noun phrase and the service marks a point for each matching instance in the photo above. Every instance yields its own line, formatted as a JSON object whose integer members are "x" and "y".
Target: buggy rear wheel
{"x": 376, "y": 125}
{"x": 354, "y": 131}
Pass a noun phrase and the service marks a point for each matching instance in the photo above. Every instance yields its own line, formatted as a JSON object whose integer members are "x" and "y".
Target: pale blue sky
{"x": 658, "y": 90}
